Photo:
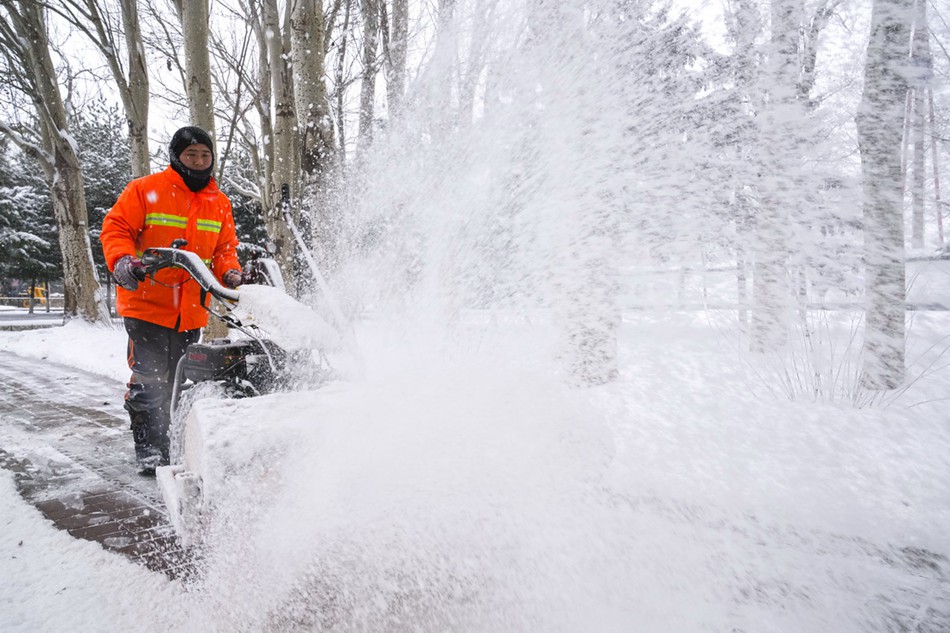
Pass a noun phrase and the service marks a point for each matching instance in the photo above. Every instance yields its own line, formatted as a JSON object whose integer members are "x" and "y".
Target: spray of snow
{"x": 464, "y": 491}
{"x": 462, "y": 485}
{"x": 283, "y": 319}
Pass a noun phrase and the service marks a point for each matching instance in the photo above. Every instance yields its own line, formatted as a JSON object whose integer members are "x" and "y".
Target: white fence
{"x": 56, "y": 303}
{"x": 927, "y": 281}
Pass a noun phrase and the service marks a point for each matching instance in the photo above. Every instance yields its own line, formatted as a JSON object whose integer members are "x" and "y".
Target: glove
{"x": 233, "y": 278}
{"x": 128, "y": 272}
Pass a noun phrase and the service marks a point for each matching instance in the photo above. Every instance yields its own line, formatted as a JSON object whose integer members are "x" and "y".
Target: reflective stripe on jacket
{"x": 154, "y": 211}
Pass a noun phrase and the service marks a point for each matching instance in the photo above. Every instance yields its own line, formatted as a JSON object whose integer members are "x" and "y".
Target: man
{"x": 164, "y": 314}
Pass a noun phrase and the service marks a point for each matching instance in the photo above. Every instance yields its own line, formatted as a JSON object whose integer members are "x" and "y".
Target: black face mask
{"x": 195, "y": 179}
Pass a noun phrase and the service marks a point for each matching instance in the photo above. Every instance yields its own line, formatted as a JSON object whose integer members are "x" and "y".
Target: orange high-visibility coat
{"x": 154, "y": 211}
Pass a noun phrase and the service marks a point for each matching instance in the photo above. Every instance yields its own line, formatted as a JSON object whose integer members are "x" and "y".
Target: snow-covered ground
{"x": 53, "y": 582}
{"x": 457, "y": 484}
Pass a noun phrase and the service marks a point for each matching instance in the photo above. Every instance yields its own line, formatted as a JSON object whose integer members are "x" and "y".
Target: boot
{"x": 147, "y": 435}
{"x": 160, "y": 431}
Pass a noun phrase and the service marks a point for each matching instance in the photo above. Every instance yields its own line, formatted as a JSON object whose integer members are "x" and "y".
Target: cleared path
{"x": 66, "y": 438}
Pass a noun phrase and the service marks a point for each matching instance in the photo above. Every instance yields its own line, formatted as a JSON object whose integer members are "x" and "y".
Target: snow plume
{"x": 455, "y": 489}
{"x": 433, "y": 496}
{"x": 283, "y": 319}
{"x": 461, "y": 485}
{"x": 522, "y": 205}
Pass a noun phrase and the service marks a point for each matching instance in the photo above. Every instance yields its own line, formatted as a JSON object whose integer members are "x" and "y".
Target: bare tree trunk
{"x": 339, "y": 76}
{"x": 918, "y": 127}
{"x": 315, "y": 126}
{"x": 879, "y": 123}
{"x": 905, "y": 134}
{"x": 922, "y": 64}
{"x": 82, "y": 295}
{"x": 264, "y": 157}
{"x": 810, "y": 49}
{"x": 781, "y": 120}
{"x": 746, "y": 26}
{"x": 396, "y": 49}
{"x": 936, "y": 167}
{"x": 370, "y": 12}
{"x": 30, "y": 302}
{"x": 442, "y": 116}
{"x": 194, "y": 26}
{"x": 25, "y": 43}
{"x": 477, "y": 53}
{"x": 284, "y": 139}
{"x": 312, "y": 107}
{"x": 137, "y": 102}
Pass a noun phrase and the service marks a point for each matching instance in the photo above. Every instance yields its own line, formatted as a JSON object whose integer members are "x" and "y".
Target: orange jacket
{"x": 154, "y": 211}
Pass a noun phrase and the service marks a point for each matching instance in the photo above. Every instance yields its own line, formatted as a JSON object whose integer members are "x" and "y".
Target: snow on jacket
{"x": 154, "y": 211}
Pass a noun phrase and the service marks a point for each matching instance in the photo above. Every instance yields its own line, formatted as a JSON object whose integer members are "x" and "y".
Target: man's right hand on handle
{"x": 128, "y": 272}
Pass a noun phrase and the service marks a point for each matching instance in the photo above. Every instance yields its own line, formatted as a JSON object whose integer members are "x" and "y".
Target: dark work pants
{"x": 153, "y": 354}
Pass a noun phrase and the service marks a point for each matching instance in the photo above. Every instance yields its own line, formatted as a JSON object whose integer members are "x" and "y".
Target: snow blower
{"x": 232, "y": 367}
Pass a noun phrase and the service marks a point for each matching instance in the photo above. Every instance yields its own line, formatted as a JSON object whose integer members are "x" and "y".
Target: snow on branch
{"x": 32, "y": 149}
{"x": 246, "y": 189}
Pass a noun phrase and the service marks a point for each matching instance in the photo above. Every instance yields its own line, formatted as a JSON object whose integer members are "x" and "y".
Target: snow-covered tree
{"x": 106, "y": 157}
{"x": 248, "y": 214}
{"x": 29, "y": 248}
{"x": 29, "y": 70}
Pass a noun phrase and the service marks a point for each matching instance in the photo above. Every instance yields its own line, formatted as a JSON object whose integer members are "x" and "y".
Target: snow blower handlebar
{"x": 154, "y": 259}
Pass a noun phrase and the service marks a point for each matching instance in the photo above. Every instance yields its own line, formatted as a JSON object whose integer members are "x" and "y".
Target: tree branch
{"x": 31, "y": 149}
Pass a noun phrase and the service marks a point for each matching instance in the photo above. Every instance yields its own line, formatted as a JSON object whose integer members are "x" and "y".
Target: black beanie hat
{"x": 196, "y": 180}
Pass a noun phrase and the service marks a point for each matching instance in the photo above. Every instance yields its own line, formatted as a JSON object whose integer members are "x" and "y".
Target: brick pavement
{"x": 65, "y": 437}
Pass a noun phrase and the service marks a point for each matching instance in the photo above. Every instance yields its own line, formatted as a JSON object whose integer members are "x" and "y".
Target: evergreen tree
{"x": 248, "y": 211}
{"x": 29, "y": 247}
{"x": 100, "y": 131}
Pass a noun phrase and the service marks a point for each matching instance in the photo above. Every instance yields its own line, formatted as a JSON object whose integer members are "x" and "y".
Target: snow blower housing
{"x": 241, "y": 361}
{"x": 244, "y": 366}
